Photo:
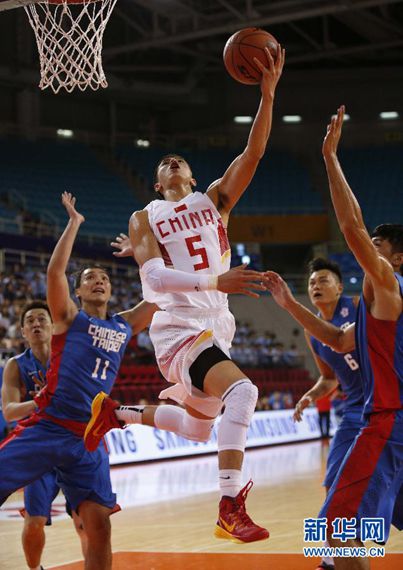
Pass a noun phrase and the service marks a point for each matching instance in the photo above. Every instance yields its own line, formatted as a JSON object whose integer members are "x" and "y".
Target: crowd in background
{"x": 254, "y": 350}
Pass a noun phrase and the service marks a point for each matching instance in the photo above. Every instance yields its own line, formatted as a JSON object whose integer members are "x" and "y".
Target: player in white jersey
{"x": 181, "y": 246}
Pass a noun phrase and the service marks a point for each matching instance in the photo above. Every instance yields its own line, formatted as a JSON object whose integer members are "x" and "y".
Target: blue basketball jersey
{"x": 345, "y": 366}
{"x": 380, "y": 353}
{"x": 84, "y": 361}
{"x": 32, "y": 372}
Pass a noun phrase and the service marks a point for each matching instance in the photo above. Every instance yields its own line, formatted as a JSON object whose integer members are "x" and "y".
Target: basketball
{"x": 240, "y": 50}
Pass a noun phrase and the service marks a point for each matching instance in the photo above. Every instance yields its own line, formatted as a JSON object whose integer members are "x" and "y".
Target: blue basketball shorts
{"x": 343, "y": 439}
{"x": 32, "y": 451}
{"x": 39, "y": 496}
{"x": 370, "y": 479}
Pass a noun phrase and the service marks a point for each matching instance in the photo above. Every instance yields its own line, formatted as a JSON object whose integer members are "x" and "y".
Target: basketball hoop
{"x": 69, "y": 37}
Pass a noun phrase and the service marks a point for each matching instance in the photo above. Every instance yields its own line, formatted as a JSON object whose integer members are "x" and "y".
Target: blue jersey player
{"x": 23, "y": 377}
{"x": 369, "y": 482}
{"x": 325, "y": 289}
{"x": 86, "y": 351}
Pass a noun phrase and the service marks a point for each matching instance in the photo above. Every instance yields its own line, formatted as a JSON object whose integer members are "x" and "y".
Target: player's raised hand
{"x": 300, "y": 406}
{"x": 242, "y": 281}
{"x": 271, "y": 72}
{"x": 278, "y": 288}
{"x": 333, "y": 133}
{"x": 123, "y": 245}
{"x": 69, "y": 202}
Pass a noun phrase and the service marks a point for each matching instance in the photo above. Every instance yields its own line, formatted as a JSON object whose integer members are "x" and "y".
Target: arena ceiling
{"x": 177, "y": 44}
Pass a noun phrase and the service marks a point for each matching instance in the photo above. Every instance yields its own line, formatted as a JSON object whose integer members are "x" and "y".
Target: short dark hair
{"x": 78, "y": 274}
{"x": 391, "y": 232}
{"x": 321, "y": 263}
{"x": 34, "y": 305}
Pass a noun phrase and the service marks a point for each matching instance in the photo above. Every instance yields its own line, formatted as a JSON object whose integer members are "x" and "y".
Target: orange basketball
{"x": 240, "y": 50}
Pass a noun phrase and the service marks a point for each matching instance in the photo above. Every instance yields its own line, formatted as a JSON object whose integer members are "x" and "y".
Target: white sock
{"x": 230, "y": 482}
{"x": 130, "y": 414}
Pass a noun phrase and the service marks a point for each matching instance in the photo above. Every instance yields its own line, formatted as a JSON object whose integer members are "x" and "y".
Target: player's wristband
{"x": 208, "y": 282}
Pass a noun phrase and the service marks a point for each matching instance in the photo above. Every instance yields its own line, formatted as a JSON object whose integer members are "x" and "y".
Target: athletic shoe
{"x": 325, "y": 566}
{"x": 103, "y": 419}
{"x": 233, "y": 521}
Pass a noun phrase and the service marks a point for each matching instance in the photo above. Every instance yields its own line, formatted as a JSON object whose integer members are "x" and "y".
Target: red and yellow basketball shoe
{"x": 103, "y": 419}
{"x": 234, "y": 523}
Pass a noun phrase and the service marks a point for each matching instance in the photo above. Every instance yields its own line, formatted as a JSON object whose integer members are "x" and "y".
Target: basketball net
{"x": 69, "y": 37}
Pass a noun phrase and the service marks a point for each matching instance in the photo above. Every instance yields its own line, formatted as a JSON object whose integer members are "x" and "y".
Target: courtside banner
{"x": 142, "y": 443}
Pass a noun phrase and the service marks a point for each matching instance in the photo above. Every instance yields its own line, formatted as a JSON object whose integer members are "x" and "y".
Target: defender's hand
{"x": 123, "y": 245}
{"x": 241, "y": 281}
{"x": 278, "y": 288}
{"x": 303, "y": 403}
{"x": 333, "y": 134}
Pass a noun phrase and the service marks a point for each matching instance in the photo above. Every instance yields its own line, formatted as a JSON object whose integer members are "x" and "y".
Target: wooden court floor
{"x": 169, "y": 511}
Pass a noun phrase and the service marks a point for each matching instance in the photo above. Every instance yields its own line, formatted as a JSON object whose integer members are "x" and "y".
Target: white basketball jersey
{"x": 192, "y": 238}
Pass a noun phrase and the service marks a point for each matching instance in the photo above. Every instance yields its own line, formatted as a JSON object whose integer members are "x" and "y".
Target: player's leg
{"x": 216, "y": 375}
{"x": 38, "y": 498}
{"x": 33, "y": 540}
{"x": 362, "y": 488}
{"x": 343, "y": 439}
{"x": 108, "y": 414}
{"x": 87, "y": 487}
{"x": 397, "y": 518}
{"x": 79, "y": 527}
{"x": 96, "y": 521}
{"x": 82, "y": 535}
{"x": 187, "y": 422}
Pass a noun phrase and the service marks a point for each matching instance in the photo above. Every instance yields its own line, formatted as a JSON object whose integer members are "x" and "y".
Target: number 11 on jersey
{"x": 98, "y": 362}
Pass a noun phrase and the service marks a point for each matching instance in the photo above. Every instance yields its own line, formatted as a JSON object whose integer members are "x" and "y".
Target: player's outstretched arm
{"x": 162, "y": 280}
{"x": 62, "y": 308}
{"x": 139, "y": 317}
{"x": 349, "y": 213}
{"x": 321, "y": 388}
{"x": 341, "y": 340}
{"x": 227, "y": 191}
{"x": 325, "y": 384}
{"x": 12, "y": 407}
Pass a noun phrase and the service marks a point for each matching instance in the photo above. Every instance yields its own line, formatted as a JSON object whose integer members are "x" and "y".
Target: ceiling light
{"x": 65, "y": 133}
{"x": 292, "y": 118}
{"x": 387, "y": 115}
{"x": 243, "y": 119}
